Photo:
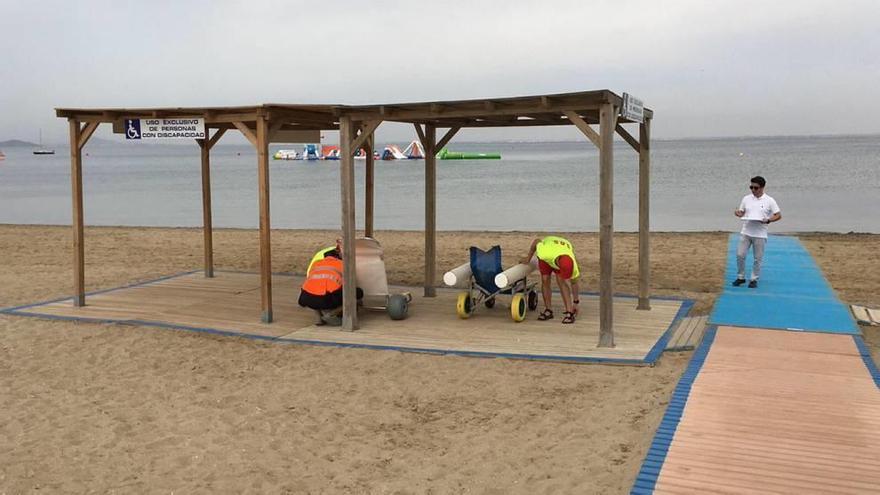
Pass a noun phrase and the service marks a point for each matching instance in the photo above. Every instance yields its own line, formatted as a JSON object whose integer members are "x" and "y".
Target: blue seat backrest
{"x": 484, "y": 266}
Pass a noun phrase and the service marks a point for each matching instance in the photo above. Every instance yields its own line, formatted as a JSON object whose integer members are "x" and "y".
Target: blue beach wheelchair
{"x": 485, "y": 266}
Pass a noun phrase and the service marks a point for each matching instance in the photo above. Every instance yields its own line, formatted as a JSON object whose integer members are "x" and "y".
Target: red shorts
{"x": 566, "y": 267}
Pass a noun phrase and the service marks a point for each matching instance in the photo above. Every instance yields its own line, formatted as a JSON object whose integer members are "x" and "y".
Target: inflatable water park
{"x": 414, "y": 151}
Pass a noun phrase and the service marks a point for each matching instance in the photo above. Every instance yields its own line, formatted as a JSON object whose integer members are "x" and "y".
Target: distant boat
{"x": 43, "y": 151}
{"x": 2, "y": 156}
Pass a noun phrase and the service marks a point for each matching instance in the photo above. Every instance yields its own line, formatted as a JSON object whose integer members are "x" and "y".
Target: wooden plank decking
{"x": 687, "y": 333}
{"x": 231, "y": 302}
{"x": 777, "y": 412}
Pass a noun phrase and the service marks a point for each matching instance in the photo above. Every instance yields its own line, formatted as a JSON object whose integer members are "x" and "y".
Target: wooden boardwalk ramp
{"x": 687, "y": 334}
{"x": 762, "y": 411}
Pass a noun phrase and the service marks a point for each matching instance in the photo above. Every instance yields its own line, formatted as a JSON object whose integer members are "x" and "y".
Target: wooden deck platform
{"x": 230, "y": 303}
{"x": 770, "y": 412}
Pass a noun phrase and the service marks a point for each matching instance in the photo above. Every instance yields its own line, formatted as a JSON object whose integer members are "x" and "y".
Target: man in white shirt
{"x": 757, "y": 210}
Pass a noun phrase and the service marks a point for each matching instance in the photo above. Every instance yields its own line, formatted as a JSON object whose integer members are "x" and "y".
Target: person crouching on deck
{"x": 322, "y": 289}
{"x": 556, "y": 255}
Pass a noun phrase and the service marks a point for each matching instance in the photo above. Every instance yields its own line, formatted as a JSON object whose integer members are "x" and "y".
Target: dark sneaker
{"x": 753, "y": 284}
{"x": 738, "y": 282}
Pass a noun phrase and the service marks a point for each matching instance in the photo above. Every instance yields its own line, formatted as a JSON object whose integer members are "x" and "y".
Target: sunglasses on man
{"x": 754, "y": 188}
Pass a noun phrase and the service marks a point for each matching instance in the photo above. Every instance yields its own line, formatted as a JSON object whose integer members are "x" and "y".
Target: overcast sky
{"x": 706, "y": 68}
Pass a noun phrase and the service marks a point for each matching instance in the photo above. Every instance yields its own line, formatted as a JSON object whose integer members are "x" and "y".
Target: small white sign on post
{"x": 632, "y": 109}
{"x": 177, "y": 128}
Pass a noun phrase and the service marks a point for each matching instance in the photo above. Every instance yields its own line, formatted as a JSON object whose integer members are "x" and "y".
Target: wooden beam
{"x": 475, "y": 110}
{"x": 274, "y": 128}
{"x": 627, "y": 137}
{"x": 431, "y": 210}
{"x": 291, "y": 116}
{"x": 501, "y": 120}
{"x": 346, "y": 176}
{"x": 420, "y": 133}
{"x": 445, "y": 140}
{"x": 366, "y": 130}
{"x": 550, "y": 119}
{"x": 86, "y": 133}
{"x": 262, "y": 144}
{"x": 607, "y": 122}
{"x": 216, "y": 137}
{"x": 645, "y": 215}
{"x": 369, "y": 172}
{"x": 247, "y": 132}
{"x": 478, "y": 124}
{"x": 231, "y": 118}
{"x": 207, "y": 222}
{"x": 76, "y": 193}
{"x": 584, "y": 128}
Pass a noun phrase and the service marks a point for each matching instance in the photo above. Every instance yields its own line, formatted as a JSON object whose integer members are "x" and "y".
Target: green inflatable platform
{"x": 464, "y": 155}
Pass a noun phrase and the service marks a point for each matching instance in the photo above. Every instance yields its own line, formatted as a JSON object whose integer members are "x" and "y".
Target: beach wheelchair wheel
{"x": 490, "y": 303}
{"x": 398, "y": 307}
{"x": 533, "y": 300}
{"x": 518, "y": 307}
{"x": 464, "y": 305}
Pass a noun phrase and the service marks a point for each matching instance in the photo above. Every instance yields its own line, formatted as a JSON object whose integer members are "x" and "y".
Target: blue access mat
{"x": 792, "y": 294}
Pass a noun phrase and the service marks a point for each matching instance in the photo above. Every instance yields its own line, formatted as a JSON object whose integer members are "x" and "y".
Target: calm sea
{"x": 821, "y": 183}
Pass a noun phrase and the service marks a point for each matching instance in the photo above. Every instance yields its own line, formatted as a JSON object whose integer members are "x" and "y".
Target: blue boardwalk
{"x": 766, "y": 411}
{"x": 792, "y": 293}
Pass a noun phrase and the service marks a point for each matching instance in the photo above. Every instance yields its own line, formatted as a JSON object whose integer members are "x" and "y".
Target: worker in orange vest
{"x": 322, "y": 289}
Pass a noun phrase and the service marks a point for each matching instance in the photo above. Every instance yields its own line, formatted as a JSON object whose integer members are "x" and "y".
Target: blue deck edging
{"x": 13, "y": 309}
{"x": 650, "y": 359}
{"x": 344, "y": 345}
{"x": 866, "y": 357}
{"x": 646, "y": 480}
{"x": 660, "y": 345}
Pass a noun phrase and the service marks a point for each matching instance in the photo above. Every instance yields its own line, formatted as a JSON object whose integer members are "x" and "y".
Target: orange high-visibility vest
{"x": 324, "y": 277}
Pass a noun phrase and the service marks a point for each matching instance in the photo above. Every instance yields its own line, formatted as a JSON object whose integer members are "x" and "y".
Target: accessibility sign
{"x": 177, "y": 128}
{"x": 632, "y": 109}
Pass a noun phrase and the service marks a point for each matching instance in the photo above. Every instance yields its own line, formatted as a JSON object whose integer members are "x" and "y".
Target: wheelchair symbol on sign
{"x": 133, "y": 131}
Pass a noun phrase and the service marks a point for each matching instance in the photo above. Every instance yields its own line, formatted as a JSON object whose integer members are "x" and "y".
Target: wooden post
{"x": 207, "y": 224}
{"x": 349, "y": 282}
{"x": 607, "y": 122}
{"x": 644, "y": 215}
{"x": 79, "y": 292}
{"x": 368, "y": 190}
{"x": 265, "y": 225}
{"x": 430, "y": 211}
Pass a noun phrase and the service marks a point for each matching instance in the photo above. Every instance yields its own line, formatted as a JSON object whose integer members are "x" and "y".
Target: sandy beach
{"x": 107, "y": 408}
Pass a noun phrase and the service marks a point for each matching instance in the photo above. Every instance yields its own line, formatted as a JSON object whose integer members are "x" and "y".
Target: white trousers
{"x": 757, "y": 245}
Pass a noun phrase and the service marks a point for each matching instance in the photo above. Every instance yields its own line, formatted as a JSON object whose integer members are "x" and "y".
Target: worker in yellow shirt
{"x": 556, "y": 255}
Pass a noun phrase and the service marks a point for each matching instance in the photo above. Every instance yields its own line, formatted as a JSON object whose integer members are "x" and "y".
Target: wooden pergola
{"x": 357, "y": 124}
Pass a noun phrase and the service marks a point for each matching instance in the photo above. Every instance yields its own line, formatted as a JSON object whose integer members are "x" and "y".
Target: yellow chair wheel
{"x": 463, "y": 306}
{"x": 518, "y": 307}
